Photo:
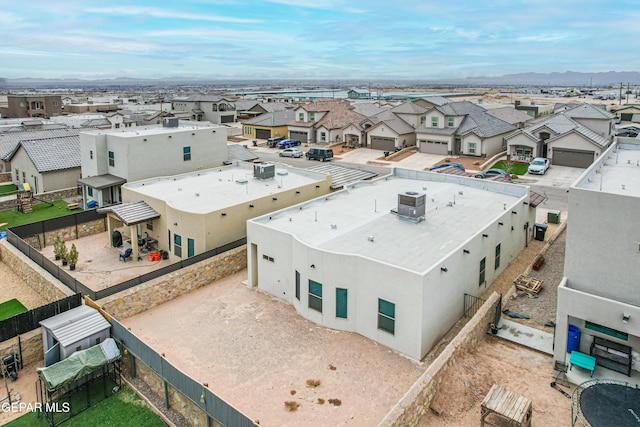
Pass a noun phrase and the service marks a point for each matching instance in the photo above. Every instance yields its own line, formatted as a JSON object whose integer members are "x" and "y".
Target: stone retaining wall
{"x": 417, "y": 400}
{"x": 32, "y": 274}
{"x": 5, "y": 178}
{"x": 31, "y": 344}
{"x": 48, "y": 197}
{"x": 158, "y": 291}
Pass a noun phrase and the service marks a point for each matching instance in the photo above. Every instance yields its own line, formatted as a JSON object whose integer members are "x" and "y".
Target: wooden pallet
{"x": 528, "y": 284}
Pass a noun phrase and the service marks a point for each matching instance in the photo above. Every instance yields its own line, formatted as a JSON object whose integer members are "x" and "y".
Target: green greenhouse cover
{"x": 79, "y": 364}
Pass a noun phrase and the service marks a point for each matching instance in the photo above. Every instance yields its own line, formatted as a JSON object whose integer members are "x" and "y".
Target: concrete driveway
{"x": 556, "y": 176}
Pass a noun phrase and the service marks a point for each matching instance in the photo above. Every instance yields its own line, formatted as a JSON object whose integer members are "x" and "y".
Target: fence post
{"x": 166, "y": 394}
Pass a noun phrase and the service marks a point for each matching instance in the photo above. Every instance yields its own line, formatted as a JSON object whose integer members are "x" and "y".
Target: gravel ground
{"x": 12, "y": 286}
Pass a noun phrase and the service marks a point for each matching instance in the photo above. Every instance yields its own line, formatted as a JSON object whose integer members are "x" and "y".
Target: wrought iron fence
{"x": 471, "y": 305}
{"x": 214, "y": 407}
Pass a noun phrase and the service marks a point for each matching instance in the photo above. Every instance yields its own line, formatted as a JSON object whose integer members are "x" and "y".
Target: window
{"x": 22, "y": 105}
{"x": 112, "y": 159}
{"x": 177, "y": 245}
{"x": 301, "y": 117}
{"x": 323, "y": 136}
{"x": 190, "y": 248}
{"x": 386, "y": 316}
{"x": 90, "y": 191}
{"x": 91, "y": 154}
{"x": 150, "y": 225}
{"x": 341, "y": 303}
{"x": 17, "y": 176}
{"x": 186, "y": 153}
{"x": 312, "y": 117}
{"x": 55, "y": 103}
{"x": 222, "y": 107}
{"x": 472, "y": 148}
{"x": 315, "y": 295}
{"x": 483, "y": 263}
{"x": 169, "y": 240}
{"x": 434, "y": 122}
{"x": 297, "y": 285}
{"x": 267, "y": 258}
{"x": 497, "y": 256}
{"x": 423, "y": 120}
{"x": 214, "y": 107}
{"x": 450, "y": 122}
{"x": 97, "y": 340}
{"x": 24, "y": 176}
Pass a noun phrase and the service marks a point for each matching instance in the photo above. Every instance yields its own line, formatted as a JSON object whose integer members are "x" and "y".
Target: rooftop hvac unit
{"x": 264, "y": 171}
{"x": 411, "y": 204}
{"x": 170, "y": 122}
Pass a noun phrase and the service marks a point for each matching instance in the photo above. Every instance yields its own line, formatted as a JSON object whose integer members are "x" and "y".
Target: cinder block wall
{"x": 417, "y": 400}
{"x": 158, "y": 291}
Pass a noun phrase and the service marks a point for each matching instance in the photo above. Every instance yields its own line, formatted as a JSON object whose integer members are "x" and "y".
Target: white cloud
{"x": 169, "y": 14}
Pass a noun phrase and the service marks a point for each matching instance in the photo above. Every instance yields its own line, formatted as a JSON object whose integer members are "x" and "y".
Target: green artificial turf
{"x": 40, "y": 212}
{"x": 512, "y": 167}
{"x": 123, "y": 409}
{"x": 7, "y": 189}
{"x": 11, "y": 308}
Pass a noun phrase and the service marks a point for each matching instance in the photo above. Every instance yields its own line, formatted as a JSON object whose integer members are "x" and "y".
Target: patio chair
{"x": 126, "y": 254}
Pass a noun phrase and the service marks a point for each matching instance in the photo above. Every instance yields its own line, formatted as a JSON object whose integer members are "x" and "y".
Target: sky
{"x": 315, "y": 39}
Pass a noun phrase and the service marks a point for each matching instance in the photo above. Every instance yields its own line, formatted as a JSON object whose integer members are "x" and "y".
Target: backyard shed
{"x": 73, "y": 330}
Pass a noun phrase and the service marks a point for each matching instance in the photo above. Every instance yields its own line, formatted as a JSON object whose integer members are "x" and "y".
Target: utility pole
{"x": 620, "y": 103}
{"x": 627, "y": 93}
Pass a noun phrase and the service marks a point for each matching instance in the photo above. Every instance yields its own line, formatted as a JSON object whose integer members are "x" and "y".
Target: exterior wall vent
{"x": 264, "y": 171}
{"x": 411, "y": 206}
{"x": 170, "y": 122}
{"x": 242, "y": 180}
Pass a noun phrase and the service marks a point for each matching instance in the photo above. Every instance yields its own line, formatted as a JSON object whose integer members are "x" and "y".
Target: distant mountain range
{"x": 566, "y": 79}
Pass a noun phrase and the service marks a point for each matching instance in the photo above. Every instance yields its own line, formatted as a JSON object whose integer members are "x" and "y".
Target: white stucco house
{"x": 599, "y": 293}
{"x": 391, "y": 259}
{"x": 109, "y": 158}
{"x": 208, "y": 108}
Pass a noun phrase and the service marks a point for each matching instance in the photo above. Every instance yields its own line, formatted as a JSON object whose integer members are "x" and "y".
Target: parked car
{"x": 291, "y": 152}
{"x": 447, "y": 164}
{"x": 273, "y": 142}
{"x": 286, "y": 143}
{"x": 490, "y": 173}
{"x": 322, "y": 154}
{"x": 539, "y": 166}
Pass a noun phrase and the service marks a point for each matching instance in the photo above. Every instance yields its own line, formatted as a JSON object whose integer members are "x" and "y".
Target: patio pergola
{"x": 130, "y": 214}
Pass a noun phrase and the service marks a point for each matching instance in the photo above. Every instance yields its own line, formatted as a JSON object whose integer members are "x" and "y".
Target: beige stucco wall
{"x": 571, "y": 141}
{"x": 48, "y": 181}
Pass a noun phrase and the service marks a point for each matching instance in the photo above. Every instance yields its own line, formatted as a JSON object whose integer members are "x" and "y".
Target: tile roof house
{"x": 323, "y": 121}
{"x": 386, "y": 131}
{"x": 462, "y": 128}
{"x": 10, "y": 140}
{"x": 511, "y": 115}
{"x": 565, "y": 138}
{"x": 47, "y": 164}
{"x": 267, "y": 125}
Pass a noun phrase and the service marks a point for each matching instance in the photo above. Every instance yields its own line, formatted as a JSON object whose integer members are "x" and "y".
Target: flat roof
{"x": 214, "y": 189}
{"x": 358, "y": 220}
{"x": 152, "y": 129}
{"x": 617, "y": 172}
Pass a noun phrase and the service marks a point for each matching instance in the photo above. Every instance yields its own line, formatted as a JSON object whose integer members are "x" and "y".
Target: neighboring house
{"x": 212, "y": 108}
{"x": 192, "y": 213}
{"x": 597, "y": 119}
{"x": 462, "y": 128}
{"x": 626, "y": 112}
{"x": 391, "y": 259}
{"x": 331, "y": 127}
{"x": 10, "y": 139}
{"x": 47, "y": 164}
{"x": 358, "y": 94}
{"x": 113, "y": 157}
{"x": 411, "y": 113}
{"x": 44, "y": 106}
{"x": 247, "y": 109}
{"x": 510, "y": 115}
{"x": 368, "y": 109}
{"x": 306, "y": 116}
{"x": 599, "y": 291}
{"x": 267, "y": 125}
{"x": 429, "y": 102}
{"x": 563, "y": 140}
{"x": 534, "y": 110}
{"x": 90, "y": 107}
{"x": 386, "y": 131}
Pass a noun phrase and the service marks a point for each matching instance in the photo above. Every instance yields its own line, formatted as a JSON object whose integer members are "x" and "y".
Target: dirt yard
{"x": 516, "y": 368}
{"x": 11, "y": 286}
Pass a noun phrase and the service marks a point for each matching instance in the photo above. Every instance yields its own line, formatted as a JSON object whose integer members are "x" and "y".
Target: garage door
{"x": 434, "y": 147}
{"x": 626, "y": 117}
{"x": 573, "y": 158}
{"x": 296, "y": 134}
{"x": 226, "y": 119}
{"x": 380, "y": 143}
{"x": 263, "y": 133}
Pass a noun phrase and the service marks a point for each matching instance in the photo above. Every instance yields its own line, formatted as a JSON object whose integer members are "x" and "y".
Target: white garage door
{"x": 434, "y": 147}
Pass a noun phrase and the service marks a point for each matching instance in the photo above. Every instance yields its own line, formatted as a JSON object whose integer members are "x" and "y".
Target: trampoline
{"x": 605, "y": 403}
